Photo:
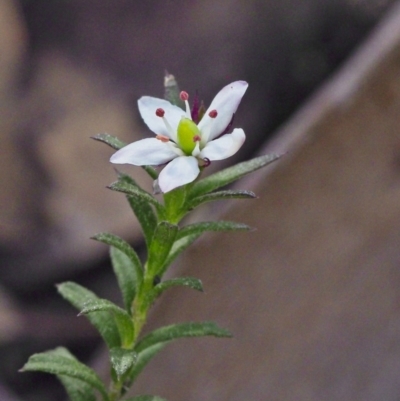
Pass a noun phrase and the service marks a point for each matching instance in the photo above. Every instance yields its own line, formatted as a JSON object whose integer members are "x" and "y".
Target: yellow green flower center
{"x": 188, "y": 135}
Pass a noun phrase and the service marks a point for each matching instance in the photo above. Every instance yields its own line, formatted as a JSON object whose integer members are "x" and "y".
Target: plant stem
{"x": 174, "y": 204}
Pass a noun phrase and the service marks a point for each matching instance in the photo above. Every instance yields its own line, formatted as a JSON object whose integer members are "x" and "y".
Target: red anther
{"x": 160, "y": 112}
{"x": 206, "y": 162}
{"x": 162, "y": 138}
{"x": 213, "y": 113}
{"x": 184, "y": 96}
{"x": 196, "y": 138}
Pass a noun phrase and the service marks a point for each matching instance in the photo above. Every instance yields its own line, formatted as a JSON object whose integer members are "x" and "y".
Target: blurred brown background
{"x": 312, "y": 296}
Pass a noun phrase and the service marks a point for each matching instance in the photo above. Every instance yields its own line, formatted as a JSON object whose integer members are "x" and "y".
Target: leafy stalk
{"x": 141, "y": 283}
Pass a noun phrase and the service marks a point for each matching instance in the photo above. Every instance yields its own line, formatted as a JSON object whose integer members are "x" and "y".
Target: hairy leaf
{"x": 146, "y": 398}
{"x": 76, "y": 389}
{"x": 133, "y": 190}
{"x": 160, "y": 247}
{"x": 181, "y": 330}
{"x": 143, "y": 358}
{"x": 110, "y": 140}
{"x": 53, "y": 362}
{"x": 143, "y": 211}
{"x": 122, "y": 318}
{"x": 220, "y": 195}
{"x": 177, "y": 248}
{"x": 79, "y": 296}
{"x": 190, "y": 282}
{"x": 126, "y": 276}
{"x": 199, "y": 228}
{"x": 123, "y": 246}
{"x": 122, "y": 360}
{"x": 230, "y": 174}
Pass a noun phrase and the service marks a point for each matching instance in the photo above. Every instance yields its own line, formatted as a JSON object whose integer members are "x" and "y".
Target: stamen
{"x": 197, "y": 138}
{"x": 162, "y": 138}
{"x": 160, "y": 112}
{"x": 213, "y": 113}
{"x": 184, "y": 96}
{"x": 205, "y": 162}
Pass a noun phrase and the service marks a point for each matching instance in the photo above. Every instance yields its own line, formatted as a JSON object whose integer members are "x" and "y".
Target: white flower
{"x": 182, "y": 143}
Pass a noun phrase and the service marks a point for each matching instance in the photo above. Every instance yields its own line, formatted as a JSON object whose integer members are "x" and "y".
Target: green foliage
{"x": 79, "y": 296}
{"x": 143, "y": 358}
{"x": 122, "y": 318}
{"x": 177, "y": 248}
{"x": 140, "y": 284}
{"x": 200, "y": 228}
{"x": 133, "y": 190}
{"x": 181, "y": 330}
{"x": 146, "y": 398}
{"x": 122, "y": 360}
{"x": 190, "y": 282}
{"x": 142, "y": 209}
{"x": 110, "y": 140}
{"x": 230, "y": 174}
{"x": 219, "y": 195}
{"x": 125, "y": 272}
{"x": 56, "y": 362}
{"x": 76, "y": 389}
{"x": 161, "y": 245}
{"x": 124, "y": 247}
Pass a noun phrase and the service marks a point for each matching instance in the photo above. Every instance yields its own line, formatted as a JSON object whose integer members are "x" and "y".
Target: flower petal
{"x": 149, "y": 151}
{"x": 224, "y": 147}
{"x": 180, "y": 171}
{"x": 226, "y": 103}
{"x": 147, "y": 108}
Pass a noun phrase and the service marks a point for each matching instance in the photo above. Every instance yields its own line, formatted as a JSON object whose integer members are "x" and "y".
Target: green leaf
{"x": 143, "y": 358}
{"x": 76, "y": 389}
{"x": 190, "y": 282}
{"x": 160, "y": 247}
{"x": 53, "y": 362}
{"x": 122, "y": 360}
{"x": 143, "y": 211}
{"x": 181, "y": 330}
{"x": 178, "y": 247}
{"x": 123, "y": 246}
{"x": 122, "y": 318}
{"x": 109, "y": 140}
{"x": 146, "y": 398}
{"x": 199, "y": 228}
{"x": 132, "y": 190}
{"x": 220, "y": 195}
{"x": 175, "y": 203}
{"x": 126, "y": 276}
{"x": 79, "y": 296}
{"x": 151, "y": 171}
{"x": 230, "y": 174}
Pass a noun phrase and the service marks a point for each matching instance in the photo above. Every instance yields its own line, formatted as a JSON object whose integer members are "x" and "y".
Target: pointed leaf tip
{"x": 181, "y": 330}
{"x": 230, "y": 174}
{"x": 109, "y": 140}
{"x": 58, "y": 363}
